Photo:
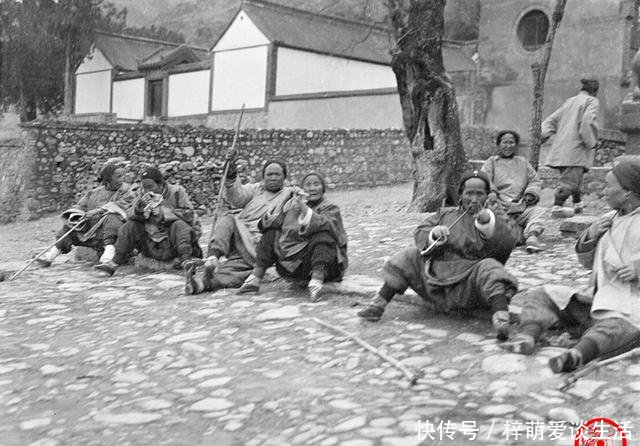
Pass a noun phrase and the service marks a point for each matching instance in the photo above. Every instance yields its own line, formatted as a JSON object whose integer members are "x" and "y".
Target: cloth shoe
{"x": 208, "y": 270}
{"x": 108, "y": 254}
{"x": 250, "y": 285}
{"x": 562, "y": 212}
{"x": 500, "y": 321}
{"x": 48, "y": 257}
{"x": 191, "y": 285}
{"x": 578, "y": 208}
{"x": 109, "y": 267}
{"x": 315, "y": 289}
{"x": 533, "y": 244}
{"x": 521, "y": 343}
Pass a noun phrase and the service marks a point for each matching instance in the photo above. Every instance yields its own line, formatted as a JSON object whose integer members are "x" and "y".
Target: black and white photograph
{"x": 320, "y": 222}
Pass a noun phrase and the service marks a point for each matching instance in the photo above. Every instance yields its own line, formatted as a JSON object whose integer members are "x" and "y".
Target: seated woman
{"x": 305, "y": 241}
{"x": 104, "y": 211}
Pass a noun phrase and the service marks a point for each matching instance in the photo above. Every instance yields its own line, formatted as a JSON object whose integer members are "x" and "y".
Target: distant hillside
{"x": 202, "y": 21}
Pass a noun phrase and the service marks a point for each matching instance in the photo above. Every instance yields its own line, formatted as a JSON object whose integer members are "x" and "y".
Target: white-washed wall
{"x": 239, "y": 77}
{"x": 300, "y": 72}
{"x": 94, "y": 61}
{"x": 128, "y": 98}
{"x": 241, "y": 34}
{"x": 93, "y": 92}
{"x": 188, "y": 93}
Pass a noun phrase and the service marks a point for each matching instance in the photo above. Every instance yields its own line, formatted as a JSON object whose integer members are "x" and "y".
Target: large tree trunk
{"x": 68, "y": 79}
{"x": 539, "y": 71}
{"x": 428, "y": 102}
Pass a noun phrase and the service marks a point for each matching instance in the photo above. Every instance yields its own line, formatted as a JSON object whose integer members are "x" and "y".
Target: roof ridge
{"x": 142, "y": 39}
{"x": 360, "y": 22}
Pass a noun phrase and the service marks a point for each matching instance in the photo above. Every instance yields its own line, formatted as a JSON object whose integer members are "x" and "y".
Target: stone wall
{"x": 68, "y": 157}
{"x": 53, "y": 163}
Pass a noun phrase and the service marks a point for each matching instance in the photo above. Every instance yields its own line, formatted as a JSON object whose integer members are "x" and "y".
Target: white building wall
{"x": 241, "y": 33}
{"x": 128, "y": 98}
{"x": 94, "y": 61}
{"x": 93, "y": 92}
{"x": 301, "y": 72}
{"x": 189, "y": 93}
{"x": 239, "y": 77}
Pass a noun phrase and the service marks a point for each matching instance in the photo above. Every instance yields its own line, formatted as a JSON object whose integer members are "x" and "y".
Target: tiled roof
{"x": 295, "y": 28}
{"x": 125, "y": 53}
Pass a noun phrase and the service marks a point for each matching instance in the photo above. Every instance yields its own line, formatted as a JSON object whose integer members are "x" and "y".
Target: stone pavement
{"x": 131, "y": 360}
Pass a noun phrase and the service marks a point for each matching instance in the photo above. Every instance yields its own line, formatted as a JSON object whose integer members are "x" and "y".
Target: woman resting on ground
{"x": 305, "y": 239}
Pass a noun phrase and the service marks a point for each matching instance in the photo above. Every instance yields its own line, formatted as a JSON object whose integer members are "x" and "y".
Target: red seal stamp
{"x": 600, "y": 432}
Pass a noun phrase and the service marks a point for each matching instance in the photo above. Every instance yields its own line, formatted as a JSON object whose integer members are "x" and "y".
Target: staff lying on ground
{"x": 608, "y": 311}
{"x": 306, "y": 241}
{"x": 104, "y": 211}
{"x": 464, "y": 272}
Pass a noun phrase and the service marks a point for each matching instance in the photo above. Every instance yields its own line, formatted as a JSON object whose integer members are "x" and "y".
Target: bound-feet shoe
{"x": 578, "y": 207}
{"x": 533, "y": 244}
{"x": 521, "y": 343}
{"x": 250, "y": 285}
{"x": 371, "y": 313}
{"x": 565, "y": 362}
{"x": 562, "y": 212}
{"x": 500, "y": 321}
{"x": 107, "y": 267}
{"x": 315, "y": 289}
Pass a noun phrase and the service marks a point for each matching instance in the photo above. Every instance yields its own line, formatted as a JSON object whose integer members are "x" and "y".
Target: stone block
{"x": 577, "y": 224}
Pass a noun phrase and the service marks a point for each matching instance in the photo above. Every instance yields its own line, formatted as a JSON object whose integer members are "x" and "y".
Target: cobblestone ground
{"x": 131, "y": 360}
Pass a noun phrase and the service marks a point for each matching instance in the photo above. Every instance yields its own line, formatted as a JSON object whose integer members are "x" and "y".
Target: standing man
{"x": 574, "y": 129}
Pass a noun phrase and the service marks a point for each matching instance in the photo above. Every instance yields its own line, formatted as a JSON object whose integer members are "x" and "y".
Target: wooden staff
{"x": 411, "y": 376}
{"x": 225, "y": 171}
{"x": 46, "y": 249}
{"x": 435, "y": 244}
{"x": 594, "y": 365}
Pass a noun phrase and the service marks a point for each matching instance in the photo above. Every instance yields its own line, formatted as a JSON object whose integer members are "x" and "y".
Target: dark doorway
{"x": 155, "y": 98}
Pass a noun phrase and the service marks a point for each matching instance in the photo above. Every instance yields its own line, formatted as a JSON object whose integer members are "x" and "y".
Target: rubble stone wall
{"x": 55, "y": 162}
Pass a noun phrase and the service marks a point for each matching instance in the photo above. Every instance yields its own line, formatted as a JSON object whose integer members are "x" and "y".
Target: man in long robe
{"x": 104, "y": 211}
{"x": 234, "y": 237}
{"x": 464, "y": 270}
{"x": 608, "y": 311}
{"x": 574, "y": 128}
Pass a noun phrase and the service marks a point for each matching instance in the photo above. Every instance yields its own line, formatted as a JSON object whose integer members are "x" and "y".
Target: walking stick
{"x": 428, "y": 250}
{"x": 229, "y": 158}
{"x": 46, "y": 249}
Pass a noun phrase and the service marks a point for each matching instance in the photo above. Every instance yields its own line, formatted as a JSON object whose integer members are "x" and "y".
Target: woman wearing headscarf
{"x": 306, "y": 241}
{"x": 607, "y": 312}
{"x": 104, "y": 211}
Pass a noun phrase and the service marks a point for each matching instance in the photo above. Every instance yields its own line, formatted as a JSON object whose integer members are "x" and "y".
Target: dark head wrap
{"x": 315, "y": 174}
{"x": 152, "y": 173}
{"x": 515, "y": 134}
{"x": 107, "y": 172}
{"x": 274, "y": 161}
{"x": 627, "y": 172}
{"x": 590, "y": 85}
{"x": 475, "y": 174}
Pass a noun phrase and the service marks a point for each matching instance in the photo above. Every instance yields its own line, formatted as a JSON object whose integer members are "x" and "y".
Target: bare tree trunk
{"x": 428, "y": 101}
{"x": 68, "y": 81}
{"x": 539, "y": 71}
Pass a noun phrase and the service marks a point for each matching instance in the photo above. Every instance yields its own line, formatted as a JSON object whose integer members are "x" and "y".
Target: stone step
{"x": 577, "y": 223}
